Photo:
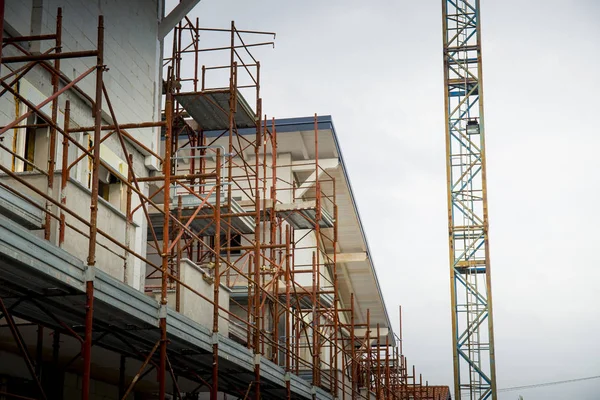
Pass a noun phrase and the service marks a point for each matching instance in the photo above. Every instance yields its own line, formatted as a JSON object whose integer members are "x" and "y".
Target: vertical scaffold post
{"x": 89, "y": 286}
{"x": 52, "y": 144}
{"x": 214, "y": 390}
{"x": 1, "y": 29}
{"x": 162, "y": 385}
{"x": 288, "y": 307}
{"x": 470, "y": 276}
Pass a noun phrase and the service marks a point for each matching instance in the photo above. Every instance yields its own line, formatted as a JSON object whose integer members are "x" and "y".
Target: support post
{"x": 89, "y": 286}
{"x": 52, "y": 144}
{"x": 64, "y": 178}
{"x": 353, "y": 350}
{"x": 214, "y": 390}
{"x": 165, "y": 250}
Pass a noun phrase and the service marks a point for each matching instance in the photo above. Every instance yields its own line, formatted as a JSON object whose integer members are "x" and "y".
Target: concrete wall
{"x": 191, "y": 304}
{"x": 133, "y": 81}
{"x": 110, "y": 257}
{"x": 132, "y": 51}
{"x": 110, "y": 220}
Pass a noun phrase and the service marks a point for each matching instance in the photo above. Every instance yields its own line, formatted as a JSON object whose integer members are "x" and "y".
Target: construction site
{"x": 163, "y": 237}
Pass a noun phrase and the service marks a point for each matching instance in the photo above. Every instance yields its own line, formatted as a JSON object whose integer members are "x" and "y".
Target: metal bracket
{"x": 215, "y": 338}
{"x": 162, "y": 311}
{"x": 89, "y": 274}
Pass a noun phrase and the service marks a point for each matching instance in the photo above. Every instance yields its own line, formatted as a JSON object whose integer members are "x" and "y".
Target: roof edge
{"x": 322, "y": 122}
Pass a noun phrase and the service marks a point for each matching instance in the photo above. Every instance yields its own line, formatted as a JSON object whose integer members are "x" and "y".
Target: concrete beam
{"x": 309, "y": 165}
{"x": 383, "y": 331}
{"x": 168, "y": 23}
{"x": 304, "y": 147}
{"x": 349, "y": 257}
{"x": 308, "y": 183}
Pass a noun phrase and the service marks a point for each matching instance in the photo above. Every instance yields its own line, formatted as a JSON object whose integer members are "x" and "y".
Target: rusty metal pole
{"x": 378, "y": 380}
{"x": 262, "y": 180}
{"x": 400, "y": 331}
{"x": 316, "y": 269}
{"x": 162, "y": 385}
{"x": 288, "y": 306}
{"x": 129, "y": 221}
{"x": 177, "y": 269}
{"x": 257, "y": 249}
{"x": 232, "y": 110}
{"x": 273, "y": 237}
{"x": 257, "y": 263}
{"x": 315, "y": 358}
{"x": 368, "y": 351}
{"x": 335, "y": 298}
{"x": 52, "y": 144}
{"x": 214, "y": 390}
{"x": 1, "y": 30}
{"x": 65, "y": 174}
{"x": 353, "y": 349}
{"x": 397, "y": 376}
{"x": 249, "y": 307}
{"x": 89, "y": 314}
{"x": 196, "y": 39}
{"x": 387, "y": 367}
{"x": 414, "y": 380}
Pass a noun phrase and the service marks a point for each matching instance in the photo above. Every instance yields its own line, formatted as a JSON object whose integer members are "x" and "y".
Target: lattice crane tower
{"x": 472, "y": 325}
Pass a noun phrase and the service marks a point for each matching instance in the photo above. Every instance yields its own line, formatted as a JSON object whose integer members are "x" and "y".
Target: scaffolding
{"x": 226, "y": 234}
{"x": 470, "y": 270}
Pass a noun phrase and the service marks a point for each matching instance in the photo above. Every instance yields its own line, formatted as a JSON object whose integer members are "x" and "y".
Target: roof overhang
{"x": 356, "y": 270}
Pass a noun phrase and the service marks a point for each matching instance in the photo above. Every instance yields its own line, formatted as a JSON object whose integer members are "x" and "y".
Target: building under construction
{"x": 160, "y": 236}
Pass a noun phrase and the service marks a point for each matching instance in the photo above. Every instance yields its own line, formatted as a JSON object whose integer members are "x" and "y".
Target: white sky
{"x": 376, "y": 67}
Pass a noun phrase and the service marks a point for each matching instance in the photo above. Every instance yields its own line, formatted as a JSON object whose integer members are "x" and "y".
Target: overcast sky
{"x": 376, "y": 67}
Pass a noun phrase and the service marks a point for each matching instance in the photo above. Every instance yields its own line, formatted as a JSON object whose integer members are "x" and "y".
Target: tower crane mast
{"x": 471, "y": 293}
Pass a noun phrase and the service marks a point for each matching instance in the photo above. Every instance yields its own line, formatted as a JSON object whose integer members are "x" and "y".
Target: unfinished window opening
{"x": 109, "y": 188}
{"x": 34, "y": 148}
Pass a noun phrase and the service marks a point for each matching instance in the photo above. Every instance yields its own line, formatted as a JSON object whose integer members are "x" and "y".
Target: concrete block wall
{"x": 132, "y": 51}
{"x": 132, "y": 55}
{"x": 7, "y": 113}
{"x": 194, "y": 306}
{"x": 109, "y": 256}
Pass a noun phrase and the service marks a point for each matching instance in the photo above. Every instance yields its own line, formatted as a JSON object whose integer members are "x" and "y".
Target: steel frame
{"x": 262, "y": 263}
{"x": 470, "y": 275}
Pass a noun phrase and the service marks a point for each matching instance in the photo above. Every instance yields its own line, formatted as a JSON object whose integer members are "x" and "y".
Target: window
{"x": 109, "y": 188}
{"x": 34, "y": 145}
{"x": 104, "y": 190}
